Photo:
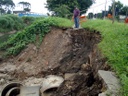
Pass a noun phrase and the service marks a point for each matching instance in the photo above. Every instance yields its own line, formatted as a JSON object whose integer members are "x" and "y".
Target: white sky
{"x": 38, "y": 6}
{"x": 100, "y": 5}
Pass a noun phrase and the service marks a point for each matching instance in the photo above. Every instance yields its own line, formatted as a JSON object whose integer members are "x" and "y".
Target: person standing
{"x": 76, "y": 14}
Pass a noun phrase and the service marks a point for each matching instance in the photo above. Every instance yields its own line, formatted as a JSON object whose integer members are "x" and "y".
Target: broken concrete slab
{"x": 30, "y": 91}
{"x": 111, "y": 82}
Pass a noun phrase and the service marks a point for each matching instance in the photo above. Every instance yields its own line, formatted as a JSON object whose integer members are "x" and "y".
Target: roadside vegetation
{"x": 4, "y": 38}
{"x": 11, "y": 22}
{"x": 39, "y": 28}
{"x": 114, "y": 46}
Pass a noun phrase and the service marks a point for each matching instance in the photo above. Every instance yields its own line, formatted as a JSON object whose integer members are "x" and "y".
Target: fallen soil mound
{"x": 70, "y": 53}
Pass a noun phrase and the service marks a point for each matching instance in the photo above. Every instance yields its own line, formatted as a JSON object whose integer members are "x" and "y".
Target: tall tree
{"x": 90, "y": 15}
{"x": 120, "y": 9}
{"x": 124, "y": 11}
{"x": 6, "y": 6}
{"x": 26, "y": 5}
{"x": 64, "y": 8}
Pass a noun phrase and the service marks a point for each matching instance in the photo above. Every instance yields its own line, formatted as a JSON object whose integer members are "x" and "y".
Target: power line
{"x": 96, "y": 6}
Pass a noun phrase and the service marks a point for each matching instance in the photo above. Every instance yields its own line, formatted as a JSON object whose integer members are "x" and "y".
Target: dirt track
{"x": 62, "y": 51}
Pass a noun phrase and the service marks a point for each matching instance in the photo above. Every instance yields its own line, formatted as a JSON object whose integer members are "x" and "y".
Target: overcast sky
{"x": 38, "y": 6}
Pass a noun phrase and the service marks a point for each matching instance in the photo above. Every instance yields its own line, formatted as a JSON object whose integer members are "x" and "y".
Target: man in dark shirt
{"x": 76, "y": 14}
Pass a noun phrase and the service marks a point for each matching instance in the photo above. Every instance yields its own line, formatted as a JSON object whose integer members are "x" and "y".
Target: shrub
{"x": 28, "y": 20}
{"x": 10, "y": 22}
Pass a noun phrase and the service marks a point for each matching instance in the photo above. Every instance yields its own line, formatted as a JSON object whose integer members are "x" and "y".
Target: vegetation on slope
{"x": 11, "y": 22}
{"x": 114, "y": 46}
{"x": 29, "y": 35}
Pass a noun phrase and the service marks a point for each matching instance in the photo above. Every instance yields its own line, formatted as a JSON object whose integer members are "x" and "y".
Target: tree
{"x": 62, "y": 11}
{"x": 64, "y": 8}
{"x": 26, "y": 6}
{"x": 27, "y": 9}
{"x": 120, "y": 9}
{"x": 90, "y": 15}
{"x": 99, "y": 15}
{"x": 124, "y": 11}
{"x": 2, "y": 11}
{"x": 6, "y": 6}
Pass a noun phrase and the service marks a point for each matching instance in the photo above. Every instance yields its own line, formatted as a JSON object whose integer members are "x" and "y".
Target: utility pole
{"x": 113, "y": 11}
{"x": 93, "y": 13}
{"x": 127, "y": 13}
{"x": 105, "y": 9}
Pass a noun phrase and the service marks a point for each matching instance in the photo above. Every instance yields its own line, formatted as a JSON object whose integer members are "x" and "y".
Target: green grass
{"x": 114, "y": 46}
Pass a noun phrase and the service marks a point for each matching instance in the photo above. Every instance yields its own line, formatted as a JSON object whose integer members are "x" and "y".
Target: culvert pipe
{"x": 51, "y": 82}
{"x": 10, "y": 89}
{"x": 13, "y": 91}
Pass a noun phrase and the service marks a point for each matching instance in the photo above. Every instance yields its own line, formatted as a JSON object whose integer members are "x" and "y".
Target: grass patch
{"x": 114, "y": 46}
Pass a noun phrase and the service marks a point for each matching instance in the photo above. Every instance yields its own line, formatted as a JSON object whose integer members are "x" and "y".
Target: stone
{"x": 2, "y": 81}
{"x": 86, "y": 67}
{"x": 67, "y": 76}
{"x": 3, "y": 75}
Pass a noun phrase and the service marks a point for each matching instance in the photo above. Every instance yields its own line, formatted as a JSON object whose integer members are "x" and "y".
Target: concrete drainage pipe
{"x": 12, "y": 89}
{"x": 51, "y": 82}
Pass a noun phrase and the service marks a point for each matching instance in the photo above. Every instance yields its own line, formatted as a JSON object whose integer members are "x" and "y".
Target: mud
{"x": 63, "y": 51}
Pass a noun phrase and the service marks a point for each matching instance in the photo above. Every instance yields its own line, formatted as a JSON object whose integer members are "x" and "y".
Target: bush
{"x": 10, "y": 22}
{"x": 28, "y": 20}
